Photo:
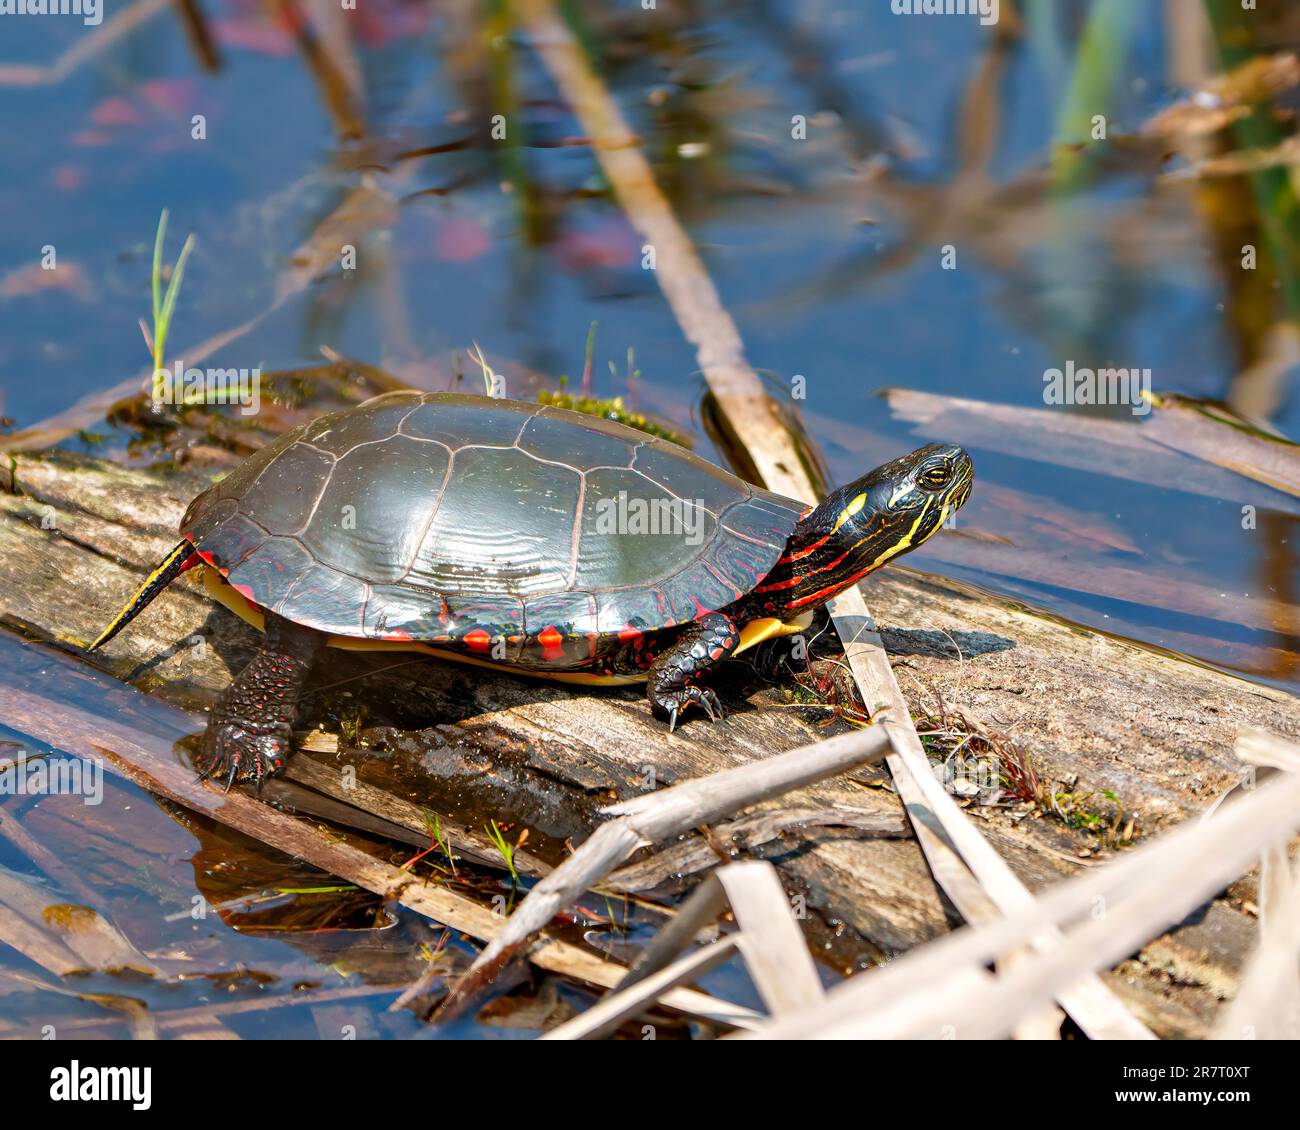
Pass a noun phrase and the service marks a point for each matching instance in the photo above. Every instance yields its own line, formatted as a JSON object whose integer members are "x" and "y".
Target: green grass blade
{"x": 169, "y": 303}
{"x": 159, "y": 236}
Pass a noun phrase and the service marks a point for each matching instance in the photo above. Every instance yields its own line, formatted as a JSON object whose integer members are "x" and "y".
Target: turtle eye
{"x": 934, "y": 478}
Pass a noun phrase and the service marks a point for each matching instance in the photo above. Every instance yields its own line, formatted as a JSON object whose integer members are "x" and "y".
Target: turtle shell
{"x": 508, "y": 528}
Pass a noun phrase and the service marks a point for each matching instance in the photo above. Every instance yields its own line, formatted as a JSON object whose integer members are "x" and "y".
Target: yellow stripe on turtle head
{"x": 851, "y": 509}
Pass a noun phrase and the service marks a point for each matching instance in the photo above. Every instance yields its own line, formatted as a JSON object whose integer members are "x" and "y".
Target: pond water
{"x": 884, "y": 202}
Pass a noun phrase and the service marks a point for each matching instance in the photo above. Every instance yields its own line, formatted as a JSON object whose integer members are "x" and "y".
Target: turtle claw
{"x": 239, "y": 753}
{"x": 674, "y": 677}
{"x": 712, "y": 705}
{"x": 675, "y": 702}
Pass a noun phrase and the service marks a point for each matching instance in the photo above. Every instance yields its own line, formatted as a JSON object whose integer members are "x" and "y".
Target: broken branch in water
{"x": 1209, "y": 434}
{"x": 943, "y": 987}
{"x": 770, "y": 944}
{"x": 698, "y": 854}
{"x": 654, "y": 817}
{"x": 1069, "y": 439}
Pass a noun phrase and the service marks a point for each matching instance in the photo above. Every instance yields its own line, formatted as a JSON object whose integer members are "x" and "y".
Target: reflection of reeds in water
{"x": 1275, "y": 216}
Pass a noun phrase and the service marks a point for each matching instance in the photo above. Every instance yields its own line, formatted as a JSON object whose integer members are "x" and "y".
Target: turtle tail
{"x": 171, "y": 567}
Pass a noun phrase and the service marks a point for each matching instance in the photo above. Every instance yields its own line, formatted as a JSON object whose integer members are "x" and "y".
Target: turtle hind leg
{"x": 250, "y": 730}
{"x": 673, "y": 684}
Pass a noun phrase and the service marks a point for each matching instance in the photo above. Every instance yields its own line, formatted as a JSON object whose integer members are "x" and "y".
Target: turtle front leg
{"x": 250, "y": 729}
{"x": 673, "y": 685}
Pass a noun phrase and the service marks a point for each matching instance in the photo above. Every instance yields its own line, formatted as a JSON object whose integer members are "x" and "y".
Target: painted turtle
{"x": 504, "y": 533}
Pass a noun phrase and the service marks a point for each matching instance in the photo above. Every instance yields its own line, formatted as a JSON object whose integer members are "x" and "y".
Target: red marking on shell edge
{"x": 398, "y": 634}
{"x": 478, "y": 640}
{"x": 628, "y": 634}
{"x": 552, "y": 641}
{"x": 244, "y": 591}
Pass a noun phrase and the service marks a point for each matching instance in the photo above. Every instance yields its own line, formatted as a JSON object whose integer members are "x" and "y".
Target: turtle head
{"x": 865, "y": 524}
{"x": 899, "y": 505}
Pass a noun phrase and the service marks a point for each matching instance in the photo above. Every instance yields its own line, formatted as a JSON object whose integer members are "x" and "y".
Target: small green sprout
{"x": 164, "y": 303}
{"x": 504, "y": 846}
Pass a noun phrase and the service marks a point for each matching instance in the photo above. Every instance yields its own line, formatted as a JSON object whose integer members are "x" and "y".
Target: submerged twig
{"x": 83, "y": 49}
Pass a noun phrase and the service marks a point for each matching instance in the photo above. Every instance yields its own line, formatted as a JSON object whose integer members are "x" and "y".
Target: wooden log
{"x": 1155, "y": 731}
